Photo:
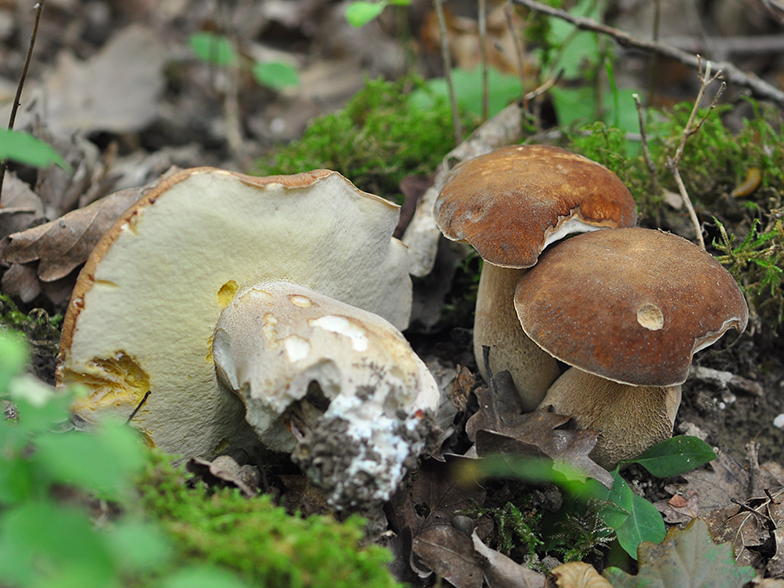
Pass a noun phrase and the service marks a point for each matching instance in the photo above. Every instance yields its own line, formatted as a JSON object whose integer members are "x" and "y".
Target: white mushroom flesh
{"x": 338, "y": 386}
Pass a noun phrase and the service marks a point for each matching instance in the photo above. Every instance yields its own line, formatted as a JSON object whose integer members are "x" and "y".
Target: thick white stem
{"x": 629, "y": 419}
{"x": 496, "y": 325}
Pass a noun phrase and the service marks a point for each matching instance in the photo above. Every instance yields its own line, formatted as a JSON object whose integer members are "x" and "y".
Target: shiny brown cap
{"x": 630, "y": 305}
{"x": 512, "y": 202}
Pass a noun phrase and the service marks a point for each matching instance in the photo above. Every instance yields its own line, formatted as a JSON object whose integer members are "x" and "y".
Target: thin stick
{"x": 644, "y": 142}
{"x": 39, "y": 8}
{"x": 692, "y": 127}
{"x": 445, "y": 56}
{"x": 732, "y": 74}
{"x": 483, "y": 56}
{"x": 518, "y": 50}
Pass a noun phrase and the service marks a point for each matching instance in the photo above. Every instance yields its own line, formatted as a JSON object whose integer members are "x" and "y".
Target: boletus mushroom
{"x": 140, "y": 330}
{"x": 509, "y": 205}
{"x": 628, "y": 309}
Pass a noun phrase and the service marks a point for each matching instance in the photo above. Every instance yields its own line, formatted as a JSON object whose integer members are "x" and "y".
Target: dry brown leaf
{"x": 501, "y": 571}
{"x": 64, "y": 244}
{"x": 500, "y": 430}
{"x": 225, "y": 469}
{"x": 116, "y": 90}
{"x": 19, "y": 206}
{"x": 577, "y": 574}
{"x": 681, "y": 508}
{"x": 450, "y": 554}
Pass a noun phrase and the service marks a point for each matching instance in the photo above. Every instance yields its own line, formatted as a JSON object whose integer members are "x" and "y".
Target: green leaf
{"x": 358, "y": 14}
{"x": 45, "y": 545}
{"x": 275, "y": 75}
{"x": 101, "y": 461}
{"x": 13, "y": 357}
{"x": 676, "y": 456}
{"x": 686, "y": 559}
{"x": 644, "y": 522}
{"x": 24, "y": 148}
{"x": 16, "y": 480}
{"x": 138, "y": 546}
{"x": 212, "y": 48}
{"x": 203, "y": 577}
{"x": 502, "y": 89}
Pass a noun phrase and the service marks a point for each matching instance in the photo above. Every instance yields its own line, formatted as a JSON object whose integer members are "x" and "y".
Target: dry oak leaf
{"x": 62, "y": 245}
{"x": 685, "y": 559}
{"x": 577, "y": 574}
{"x": 535, "y": 434}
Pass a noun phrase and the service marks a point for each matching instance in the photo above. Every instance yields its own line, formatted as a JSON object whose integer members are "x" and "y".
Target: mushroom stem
{"x": 629, "y": 419}
{"x": 496, "y": 325}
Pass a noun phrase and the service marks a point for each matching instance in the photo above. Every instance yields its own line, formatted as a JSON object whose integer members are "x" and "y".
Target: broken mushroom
{"x": 628, "y": 309}
{"x": 139, "y": 329}
{"x": 509, "y": 205}
{"x": 338, "y": 386}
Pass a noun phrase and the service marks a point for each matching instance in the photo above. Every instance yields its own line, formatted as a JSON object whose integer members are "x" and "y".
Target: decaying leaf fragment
{"x": 686, "y": 558}
{"x": 500, "y": 427}
{"x": 62, "y": 245}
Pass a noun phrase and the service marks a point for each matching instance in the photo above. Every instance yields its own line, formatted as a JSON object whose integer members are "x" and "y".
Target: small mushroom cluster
{"x": 626, "y": 307}
{"x": 224, "y": 308}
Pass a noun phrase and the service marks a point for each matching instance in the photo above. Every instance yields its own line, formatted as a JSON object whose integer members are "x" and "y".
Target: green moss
{"x": 259, "y": 540}
{"x": 375, "y": 141}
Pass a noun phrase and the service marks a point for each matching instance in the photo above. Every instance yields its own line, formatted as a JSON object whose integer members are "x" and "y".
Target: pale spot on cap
{"x": 650, "y": 317}
{"x": 342, "y": 326}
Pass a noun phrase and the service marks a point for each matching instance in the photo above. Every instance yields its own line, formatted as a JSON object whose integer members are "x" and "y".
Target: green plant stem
{"x": 39, "y": 8}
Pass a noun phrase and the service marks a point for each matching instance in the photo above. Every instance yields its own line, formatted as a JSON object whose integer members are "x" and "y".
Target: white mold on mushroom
{"x": 337, "y": 386}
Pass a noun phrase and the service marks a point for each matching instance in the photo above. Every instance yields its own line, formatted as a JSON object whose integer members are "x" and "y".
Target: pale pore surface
{"x": 497, "y": 326}
{"x": 629, "y": 419}
{"x": 162, "y": 283}
{"x": 375, "y": 384}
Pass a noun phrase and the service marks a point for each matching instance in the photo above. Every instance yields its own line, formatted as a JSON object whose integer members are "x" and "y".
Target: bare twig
{"x": 483, "y": 55}
{"x": 39, "y": 8}
{"x": 518, "y": 50}
{"x": 692, "y": 127}
{"x": 445, "y": 55}
{"x": 732, "y": 74}
{"x": 644, "y": 142}
{"x": 705, "y": 80}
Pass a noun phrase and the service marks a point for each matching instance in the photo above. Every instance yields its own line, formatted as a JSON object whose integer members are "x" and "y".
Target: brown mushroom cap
{"x": 630, "y": 305}
{"x": 512, "y": 202}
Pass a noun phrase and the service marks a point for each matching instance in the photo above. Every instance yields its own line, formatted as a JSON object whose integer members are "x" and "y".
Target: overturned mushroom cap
{"x": 630, "y": 305}
{"x": 340, "y": 382}
{"x": 511, "y": 203}
{"x": 144, "y": 309}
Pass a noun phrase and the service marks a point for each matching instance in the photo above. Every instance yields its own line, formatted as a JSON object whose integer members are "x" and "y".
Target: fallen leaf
{"x": 577, "y": 574}
{"x": 681, "y": 508}
{"x": 501, "y": 571}
{"x": 225, "y": 469}
{"x": 685, "y": 559}
{"x": 450, "y": 554}
{"x": 115, "y": 91}
{"x": 717, "y": 486}
{"x": 534, "y": 434}
{"x": 62, "y": 245}
{"x": 19, "y": 206}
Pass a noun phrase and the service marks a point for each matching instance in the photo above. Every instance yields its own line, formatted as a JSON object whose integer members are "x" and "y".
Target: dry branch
{"x": 731, "y": 73}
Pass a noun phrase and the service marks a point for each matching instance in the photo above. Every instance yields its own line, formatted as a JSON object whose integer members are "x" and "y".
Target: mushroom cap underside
{"x": 143, "y": 312}
{"x": 510, "y": 203}
{"x": 630, "y": 305}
